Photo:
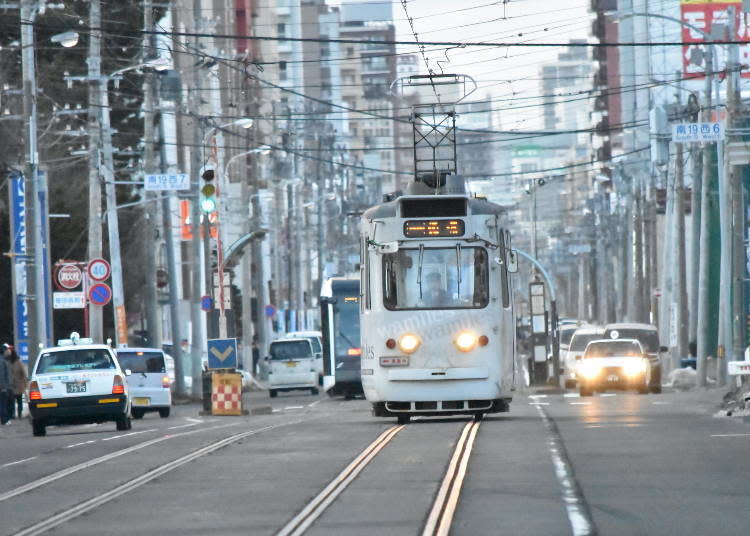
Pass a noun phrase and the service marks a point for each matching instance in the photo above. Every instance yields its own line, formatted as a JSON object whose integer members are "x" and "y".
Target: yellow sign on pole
{"x": 226, "y": 393}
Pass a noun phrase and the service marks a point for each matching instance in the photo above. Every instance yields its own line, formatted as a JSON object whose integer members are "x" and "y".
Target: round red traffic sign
{"x": 68, "y": 276}
{"x": 100, "y": 294}
{"x": 99, "y": 269}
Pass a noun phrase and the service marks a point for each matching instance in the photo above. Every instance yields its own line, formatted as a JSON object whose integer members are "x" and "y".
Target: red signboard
{"x": 68, "y": 276}
{"x": 705, "y": 15}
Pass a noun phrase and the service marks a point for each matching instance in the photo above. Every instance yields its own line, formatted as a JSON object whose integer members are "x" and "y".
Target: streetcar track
{"x": 443, "y": 509}
{"x": 315, "y": 508}
{"x": 103, "y": 498}
{"x": 30, "y": 486}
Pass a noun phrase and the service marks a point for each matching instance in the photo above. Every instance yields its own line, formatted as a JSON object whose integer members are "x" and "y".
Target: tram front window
{"x": 436, "y": 278}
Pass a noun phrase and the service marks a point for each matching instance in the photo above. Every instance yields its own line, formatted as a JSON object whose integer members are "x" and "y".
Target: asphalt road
{"x": 625, "y": 464}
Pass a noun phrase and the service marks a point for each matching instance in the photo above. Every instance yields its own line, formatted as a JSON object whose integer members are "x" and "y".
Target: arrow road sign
{"x": 100, "y": 294}
{"x": 222, "y": 353}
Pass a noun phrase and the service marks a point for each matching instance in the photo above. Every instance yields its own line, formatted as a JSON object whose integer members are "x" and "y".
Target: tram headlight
{"x": 408, "y": 343}
{"x": 466, "y": 341}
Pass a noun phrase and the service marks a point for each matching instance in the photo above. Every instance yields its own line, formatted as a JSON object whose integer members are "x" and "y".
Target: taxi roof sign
{"x": 74, "y": 340}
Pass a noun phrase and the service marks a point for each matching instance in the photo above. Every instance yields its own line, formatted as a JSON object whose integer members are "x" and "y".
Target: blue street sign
{"x": 100, "y": 294}
{"x": 222, "y": 353}
{"x": 18, "y": 260}
{"x": 269, "y": 310}
{"x": 206, "y": 303}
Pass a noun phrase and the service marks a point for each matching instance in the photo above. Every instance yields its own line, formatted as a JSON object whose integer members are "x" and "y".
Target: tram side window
{"x": 436, "y": 278}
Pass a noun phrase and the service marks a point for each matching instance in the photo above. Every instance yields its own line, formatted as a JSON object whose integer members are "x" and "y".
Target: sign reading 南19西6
{"x": 697, "y": 132}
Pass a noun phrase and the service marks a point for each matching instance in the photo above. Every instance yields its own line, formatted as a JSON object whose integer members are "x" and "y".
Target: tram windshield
{"x": 436, "y": 278}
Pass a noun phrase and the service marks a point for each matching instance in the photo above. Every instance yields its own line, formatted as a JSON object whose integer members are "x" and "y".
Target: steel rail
{"x": 103, "y": 498}
{"x": 441, "y": 516}
{"x": 315, "y": 508}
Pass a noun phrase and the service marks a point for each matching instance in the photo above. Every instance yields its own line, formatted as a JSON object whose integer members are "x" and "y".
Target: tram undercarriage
{"x": 436, "y": 408}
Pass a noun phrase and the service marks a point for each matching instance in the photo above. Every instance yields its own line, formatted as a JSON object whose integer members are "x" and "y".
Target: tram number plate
{"x": 613, "y": 378}
{"x": 394, "y": 361}
{"x": 75, "y": 387}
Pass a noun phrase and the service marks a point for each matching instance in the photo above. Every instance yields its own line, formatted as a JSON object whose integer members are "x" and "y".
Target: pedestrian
{"x": 19, "y": 379}
{"x": 6, "y": 391}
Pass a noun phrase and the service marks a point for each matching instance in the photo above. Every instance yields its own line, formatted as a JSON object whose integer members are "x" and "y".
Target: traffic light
{"x": 208, "y": 192}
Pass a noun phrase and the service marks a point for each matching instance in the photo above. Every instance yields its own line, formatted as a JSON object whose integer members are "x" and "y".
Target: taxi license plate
{"x": 291, "y": 363}
{"x": 141, "y": 401}
{"x": 75, "y": 387}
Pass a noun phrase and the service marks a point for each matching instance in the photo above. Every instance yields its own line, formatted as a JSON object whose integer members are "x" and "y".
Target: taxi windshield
{"x": 75, "y": 359}
{"x": 613, "y": 349}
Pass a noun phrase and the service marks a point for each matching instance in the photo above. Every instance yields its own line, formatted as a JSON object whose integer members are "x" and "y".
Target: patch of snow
{"x": 683, "y": 379}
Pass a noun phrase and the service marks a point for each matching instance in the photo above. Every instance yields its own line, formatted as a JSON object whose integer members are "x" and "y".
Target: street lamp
{"x": 65, "y": 39}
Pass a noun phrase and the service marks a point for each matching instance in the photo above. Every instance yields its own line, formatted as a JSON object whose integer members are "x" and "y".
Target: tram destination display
{"x": 433, "y": 228}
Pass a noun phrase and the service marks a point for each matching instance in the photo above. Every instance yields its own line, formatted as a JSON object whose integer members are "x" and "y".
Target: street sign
{"x": 100, "y": 294}
{"x": 162, "y": 278}
{"x": 69, "y": 300}
{"x": 166, "y": 182}
{"x": 99, "y": 269}
{"x": 68, "y": 276}
{"x": 222, "y": 353}
{"x": 206, "y": 303}
{"x": 269, "y": 310}
{"x": 738, "y": 368}
{"x": 697, "y": 132}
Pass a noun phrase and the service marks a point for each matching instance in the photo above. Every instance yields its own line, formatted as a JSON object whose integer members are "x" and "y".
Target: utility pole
{"x": 197, "y": 336}
{"x": 153, "y": 320}
{"x": 679, "y": 299}
{"x": 94, "y": 60}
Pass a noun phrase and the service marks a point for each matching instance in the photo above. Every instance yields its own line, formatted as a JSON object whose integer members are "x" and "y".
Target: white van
{"x": 316, "y": 339}
{"x": 291, "y": 366}
{"x": 149, "y": 381}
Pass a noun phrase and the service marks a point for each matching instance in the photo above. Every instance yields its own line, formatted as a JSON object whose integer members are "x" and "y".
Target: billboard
{"x": 18, "y": 260}
{"x": 711, "y": 17}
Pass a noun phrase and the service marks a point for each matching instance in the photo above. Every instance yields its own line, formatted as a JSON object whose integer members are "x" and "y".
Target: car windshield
{"x": 74, "y": 359}
{"x": 142, "y": 362}
{"x": 580, "y": 340}
{"x": 649, "y": 338}
{"x": 613, "y": 349}
{"x": 283, "y": 350}
{"x": 566, "y": 335}
{"x": 436, "y": 278}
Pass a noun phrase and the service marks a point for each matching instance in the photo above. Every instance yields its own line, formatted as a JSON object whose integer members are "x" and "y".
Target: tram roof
{"x": 477, "y": 206}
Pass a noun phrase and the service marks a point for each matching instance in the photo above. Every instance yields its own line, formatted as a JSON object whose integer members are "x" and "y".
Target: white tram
{"x": 437, "y": 322}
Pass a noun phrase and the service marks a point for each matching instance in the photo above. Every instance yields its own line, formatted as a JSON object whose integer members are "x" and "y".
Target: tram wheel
{"x": 403, "y": 419}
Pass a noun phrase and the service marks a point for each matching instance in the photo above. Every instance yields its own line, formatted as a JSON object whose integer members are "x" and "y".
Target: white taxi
{"x": 78, "y": 382}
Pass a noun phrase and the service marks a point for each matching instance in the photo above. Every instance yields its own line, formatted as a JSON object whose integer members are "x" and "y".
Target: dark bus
{"x": 342, "y": 352}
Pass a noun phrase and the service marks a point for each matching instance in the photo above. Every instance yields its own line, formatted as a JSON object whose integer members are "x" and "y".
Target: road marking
{"x": 103, "y": 498}
{"x": 441, "y": 516}
{"x": 295, "y": 407}
{"x": 183, "y": 426}
{"x": 101, "y": 459}
{"x": 581, "y": 522}
{"x": 313, "y": 404}
{"x": 79, "y": 444}
{"x": 19, "y": 461}
{"x": 538, "y": 403}
{"x": 658, "y": 403}
{"x": 580, "y": 403}
{"x": 130, "y": 434}
{"x": 302, "y": 521}
{"x": 730, "y": 435}
{"x": 193, "y": 420}
{"x": 625, "y": 425}
{"x": 572, "y": 395}
{"x": 537, "y": 396}
{"x": 607, "y": 394}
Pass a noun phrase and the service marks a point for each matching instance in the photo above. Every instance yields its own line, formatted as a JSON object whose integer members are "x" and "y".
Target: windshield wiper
{"x": 458, "y": 270}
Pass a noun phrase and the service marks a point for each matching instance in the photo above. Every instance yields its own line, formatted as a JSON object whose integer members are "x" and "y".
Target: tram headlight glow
{"x": 466, "y": 341}
{"x": 408, "y": 343}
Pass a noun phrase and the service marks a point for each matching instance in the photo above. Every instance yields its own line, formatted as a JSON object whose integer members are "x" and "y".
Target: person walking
{"x": 19, "y": 379}
{"x": 6, "y": 391}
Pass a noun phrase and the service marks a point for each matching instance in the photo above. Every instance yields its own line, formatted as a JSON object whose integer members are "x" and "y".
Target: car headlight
{"x": 588, "y": 370}
{"x": 635, "y": 367}
{"x": 466, "y": 341}
{"x": 409, "y": 343}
